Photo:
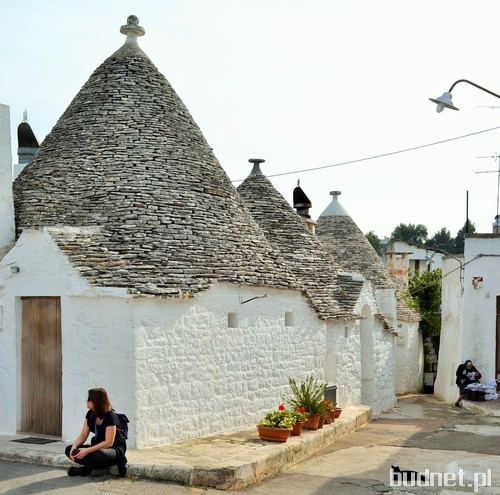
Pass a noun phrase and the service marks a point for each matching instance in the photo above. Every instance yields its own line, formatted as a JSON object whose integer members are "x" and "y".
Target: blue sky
{"x": 300, "y": 84}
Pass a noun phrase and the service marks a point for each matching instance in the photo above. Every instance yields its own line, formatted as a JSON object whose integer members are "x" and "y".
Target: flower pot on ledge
{"x": 274, "y": 434}
{"x": 297, "y": 429}
{"x": 338, "y": 411}
{"x": 312, "y": 422}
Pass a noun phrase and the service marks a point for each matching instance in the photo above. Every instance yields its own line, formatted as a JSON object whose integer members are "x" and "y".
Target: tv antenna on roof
{"x": 495, "y": 157}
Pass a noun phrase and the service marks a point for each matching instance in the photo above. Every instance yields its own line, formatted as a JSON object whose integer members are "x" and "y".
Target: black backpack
{"x": 123, "y": 428}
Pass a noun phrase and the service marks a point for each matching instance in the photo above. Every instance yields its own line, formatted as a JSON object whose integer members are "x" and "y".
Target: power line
{"x": 405, "y": 150}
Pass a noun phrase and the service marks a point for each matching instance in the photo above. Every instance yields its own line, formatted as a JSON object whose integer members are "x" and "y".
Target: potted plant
{"x": 330, "y": 411}
{"x": 300, "y": 416}
{"x": 309, "y": 395}
{"x": 276, "y": 426}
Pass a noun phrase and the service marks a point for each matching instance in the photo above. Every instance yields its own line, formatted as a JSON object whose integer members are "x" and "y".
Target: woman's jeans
{"x": 100, "y": 459}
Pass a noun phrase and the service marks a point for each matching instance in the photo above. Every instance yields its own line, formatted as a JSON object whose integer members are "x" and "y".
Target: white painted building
{"x": 138, "y": 268}
{"x": 470, "y": 308}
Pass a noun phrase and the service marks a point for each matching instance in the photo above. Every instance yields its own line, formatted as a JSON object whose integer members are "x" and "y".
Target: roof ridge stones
{"x": 127, "y": 156}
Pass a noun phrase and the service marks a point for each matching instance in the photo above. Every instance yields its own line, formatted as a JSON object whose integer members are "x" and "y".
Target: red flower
{"x": 301, "y": 409}
{"x": 281, "y": 407}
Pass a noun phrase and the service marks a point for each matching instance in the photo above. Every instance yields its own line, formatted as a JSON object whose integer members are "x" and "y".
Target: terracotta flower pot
{"x": 297, "y": 429}
{"x": 338, "y": 411}
{"x": 331, "y": 415}
{"x": 274, "y": 434}
{"x": 321, "y": 421}
{"x": 312, "y": 422}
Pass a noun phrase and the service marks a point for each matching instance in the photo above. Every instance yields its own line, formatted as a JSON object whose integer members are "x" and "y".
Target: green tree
{"x": 424, "y": 294}
{"x": 442, "y": 240}
{"x": 459, "y": 239}
{"x": 374, "y": 240}
{"x": 411, "y": 233}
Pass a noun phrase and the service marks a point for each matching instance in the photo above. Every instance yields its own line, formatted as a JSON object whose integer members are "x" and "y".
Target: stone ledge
{"x": 225, "y": 462}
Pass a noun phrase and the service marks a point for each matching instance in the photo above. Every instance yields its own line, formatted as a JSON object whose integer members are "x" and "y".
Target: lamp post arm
{"x": 473, "y": 84}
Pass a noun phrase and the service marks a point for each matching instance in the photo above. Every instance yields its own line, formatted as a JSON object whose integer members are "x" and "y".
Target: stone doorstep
{"x": 225, "y": 462}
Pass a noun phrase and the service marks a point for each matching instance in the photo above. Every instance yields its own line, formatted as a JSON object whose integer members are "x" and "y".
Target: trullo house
{"x": 129, "y": 261}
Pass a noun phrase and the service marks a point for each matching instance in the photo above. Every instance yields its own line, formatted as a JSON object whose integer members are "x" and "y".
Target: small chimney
{"x": 302, "y": 204}
{"x": 496, "y": 225}
{"x": 27, "y": 145}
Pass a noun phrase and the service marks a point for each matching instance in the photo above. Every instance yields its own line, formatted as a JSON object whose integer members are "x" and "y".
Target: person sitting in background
{"x": 107, "y": 447}
{"x": 466, "y": 374}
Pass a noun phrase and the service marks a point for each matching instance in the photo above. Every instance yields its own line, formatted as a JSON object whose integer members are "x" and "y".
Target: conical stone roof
{"x": 315, "y": 270}
{"x": 149, "y": 207}
{"x": 343, "y": 239}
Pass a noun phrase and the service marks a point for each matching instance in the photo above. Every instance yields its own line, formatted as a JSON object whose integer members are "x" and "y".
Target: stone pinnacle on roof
{"x": 132, "y": 29}
{"x": 256, "y": 166}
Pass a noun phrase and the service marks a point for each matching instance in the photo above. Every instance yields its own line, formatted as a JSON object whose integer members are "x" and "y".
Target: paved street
{"x": 421, "y": 433}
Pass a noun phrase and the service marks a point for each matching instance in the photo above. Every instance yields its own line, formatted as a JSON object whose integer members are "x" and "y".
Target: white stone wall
{"x": 196, "y": 376}
{"x": 343, "y": 358}
{"x": 409, "y": 359}
{"x": 95, "y": 336}
{"x": 6, "y": 202}
{"x": 482, "y": 259}
{"x": 450, "y": 346}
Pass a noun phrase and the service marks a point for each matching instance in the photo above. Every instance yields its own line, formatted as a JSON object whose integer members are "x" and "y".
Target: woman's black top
{"x": 462, "y": 378}
{"x": 99, "y": 431}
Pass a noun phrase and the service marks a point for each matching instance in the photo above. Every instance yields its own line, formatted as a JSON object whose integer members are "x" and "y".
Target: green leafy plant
{"x": 309, "y": 395}
{"x": 282, "y": 418}
{"x": 300, "y": 414}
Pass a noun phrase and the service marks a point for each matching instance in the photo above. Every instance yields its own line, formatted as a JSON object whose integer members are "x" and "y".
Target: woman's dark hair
{"x": 100, "y": 398}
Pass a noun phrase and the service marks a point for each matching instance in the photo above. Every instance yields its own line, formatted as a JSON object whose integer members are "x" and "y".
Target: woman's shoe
{"x": 78, "y": 471}
{"x": 457, "y": 404}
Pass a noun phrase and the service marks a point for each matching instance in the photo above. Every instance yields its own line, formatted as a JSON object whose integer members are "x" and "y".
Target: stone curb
{"x": 256, "y": 462}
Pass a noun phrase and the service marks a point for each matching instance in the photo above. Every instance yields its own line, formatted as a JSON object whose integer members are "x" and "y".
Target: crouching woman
{"x": 107, "y": 447}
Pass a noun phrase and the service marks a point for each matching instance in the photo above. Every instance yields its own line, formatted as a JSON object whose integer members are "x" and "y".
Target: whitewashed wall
{"x": 482, "y": 259}
{"x": 196, "y": 376}
{"x": 450, "y": 346}
{"x": 95, "y": 336}
{"x": 409, "y": 359}
{"x": 343, "y": 358}
{"x": 6, "y": 201}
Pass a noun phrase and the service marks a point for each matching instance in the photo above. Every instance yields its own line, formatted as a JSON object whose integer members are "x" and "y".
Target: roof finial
{"x": 132, "y": 29}
{"x": 25, "y": 116}
{"x": 256, "y": 165}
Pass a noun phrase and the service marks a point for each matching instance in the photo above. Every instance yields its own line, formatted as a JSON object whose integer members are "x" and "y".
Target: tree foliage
{"x": 424, "y": 294}
{"x": 410, "y": 233}
{"x": 375, "y": 242}
{"x": 442, "y": 240}
{"x": 459, "y": 239}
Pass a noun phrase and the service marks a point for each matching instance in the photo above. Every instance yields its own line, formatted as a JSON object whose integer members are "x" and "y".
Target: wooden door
{"x": 41, "y": 366}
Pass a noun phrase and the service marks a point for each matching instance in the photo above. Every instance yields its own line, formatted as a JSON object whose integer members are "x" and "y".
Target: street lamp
{"x": 444, "y": 101}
